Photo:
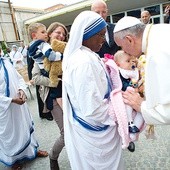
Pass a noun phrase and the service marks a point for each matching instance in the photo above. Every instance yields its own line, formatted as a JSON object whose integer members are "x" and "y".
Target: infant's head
{"x": 124, "y": 60}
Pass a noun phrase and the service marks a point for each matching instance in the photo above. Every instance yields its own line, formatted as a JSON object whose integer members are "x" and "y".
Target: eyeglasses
{"x": 60, "y": 33}
{"x": 101, "y": 35}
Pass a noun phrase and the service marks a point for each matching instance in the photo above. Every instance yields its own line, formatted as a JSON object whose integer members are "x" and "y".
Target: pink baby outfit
{"x": 117, "y": 109}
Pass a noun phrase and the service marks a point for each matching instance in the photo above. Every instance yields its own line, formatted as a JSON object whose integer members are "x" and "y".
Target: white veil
{"x": 83, "y": 23}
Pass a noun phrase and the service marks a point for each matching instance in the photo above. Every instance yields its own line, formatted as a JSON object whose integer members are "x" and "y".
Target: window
{"x": 154, "y": 10}
{"x": 156, "y": 20}
{"x": 134, "y": 13}
{"x": 108, "y": 19}
{"x": 117, "y": 17}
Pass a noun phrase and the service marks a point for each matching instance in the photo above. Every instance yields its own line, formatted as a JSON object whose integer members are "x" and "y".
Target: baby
{"x": 129, "y": 75}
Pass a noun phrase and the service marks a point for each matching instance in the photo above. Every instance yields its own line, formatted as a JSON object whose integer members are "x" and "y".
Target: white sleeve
{"x": 21, "y": 82}
{"x": 49, "y": 53}
{"x": 158, "y": 115}
{"x": 4, "y": 101}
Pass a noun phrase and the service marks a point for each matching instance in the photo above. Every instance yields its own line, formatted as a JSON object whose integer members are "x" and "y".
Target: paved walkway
{"x": 149, "y": 154}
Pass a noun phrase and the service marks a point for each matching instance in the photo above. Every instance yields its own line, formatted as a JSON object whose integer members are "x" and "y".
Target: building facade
{"x": 117, "y": 9}
{"x": 15, "y": 20}
{"x": 7, "y": 26}
{"x": 12, "y": 29}
{"x": 156, "y": 11}
{"x": 23, "y": 14}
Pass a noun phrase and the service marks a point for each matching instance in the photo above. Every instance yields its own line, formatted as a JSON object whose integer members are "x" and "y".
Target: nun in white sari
{"x": 17, "y": 140}
{"x": 91, "y": 136}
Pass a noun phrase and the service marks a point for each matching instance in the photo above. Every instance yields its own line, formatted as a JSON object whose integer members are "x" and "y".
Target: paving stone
{"x": 149, "y": 154}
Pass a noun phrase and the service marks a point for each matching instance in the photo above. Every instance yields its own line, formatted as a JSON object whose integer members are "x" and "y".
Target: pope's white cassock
{"x": 155, "y": 44}
{"x": 17, "y": 140}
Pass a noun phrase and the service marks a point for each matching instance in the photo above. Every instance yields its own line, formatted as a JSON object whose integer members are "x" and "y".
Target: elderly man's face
{"x": 145, "y": 17}
{"x": 100, "y": 8}
{"x": 130, "y": 45}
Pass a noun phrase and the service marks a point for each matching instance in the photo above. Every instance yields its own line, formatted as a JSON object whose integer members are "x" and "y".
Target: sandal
{"x": 41, "y": 153}
{"x": 17, "y": 166}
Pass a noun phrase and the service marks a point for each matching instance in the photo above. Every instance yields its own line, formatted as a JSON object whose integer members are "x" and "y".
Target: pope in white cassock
{"x": 135, "y": 38}
{"x": 17, "y": 140}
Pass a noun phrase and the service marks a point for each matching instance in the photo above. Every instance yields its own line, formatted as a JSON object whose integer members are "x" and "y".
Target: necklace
{"x": 147, "y": 38}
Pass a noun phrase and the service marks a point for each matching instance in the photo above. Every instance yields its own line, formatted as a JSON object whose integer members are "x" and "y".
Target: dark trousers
{"x": 40, "y": 102}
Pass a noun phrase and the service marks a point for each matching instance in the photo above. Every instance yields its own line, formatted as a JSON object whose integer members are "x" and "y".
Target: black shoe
{"x": 49, "y": 116}
{"x": 43, "y": 115}
{"x": 54, "y": 165}
{"x": 133, "y": 129}
{"x": 131, "y": 147}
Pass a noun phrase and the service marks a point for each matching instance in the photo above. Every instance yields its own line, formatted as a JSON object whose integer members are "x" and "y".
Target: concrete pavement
{"x": 149, "y": 154}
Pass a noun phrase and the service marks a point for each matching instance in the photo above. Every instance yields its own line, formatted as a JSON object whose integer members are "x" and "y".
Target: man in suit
{"x": 109, "y": 47}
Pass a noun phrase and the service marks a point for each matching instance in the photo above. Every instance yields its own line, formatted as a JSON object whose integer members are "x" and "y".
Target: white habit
{"x": 17, "y": 140}
{"x": 88, "y": 149}
{"x": 86, "y": 84}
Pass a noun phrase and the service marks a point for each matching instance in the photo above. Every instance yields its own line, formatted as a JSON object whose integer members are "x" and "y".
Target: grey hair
{"x": 136, "y": 30}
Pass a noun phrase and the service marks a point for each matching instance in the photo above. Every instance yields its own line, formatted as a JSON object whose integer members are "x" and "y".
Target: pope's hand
{"x": 133, "y": 99}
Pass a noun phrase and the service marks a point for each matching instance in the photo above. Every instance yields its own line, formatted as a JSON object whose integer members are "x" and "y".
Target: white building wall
{"x": 7, "y": 32}
{"x": 21, "y": 15}
{"x": 6, "y": 27}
